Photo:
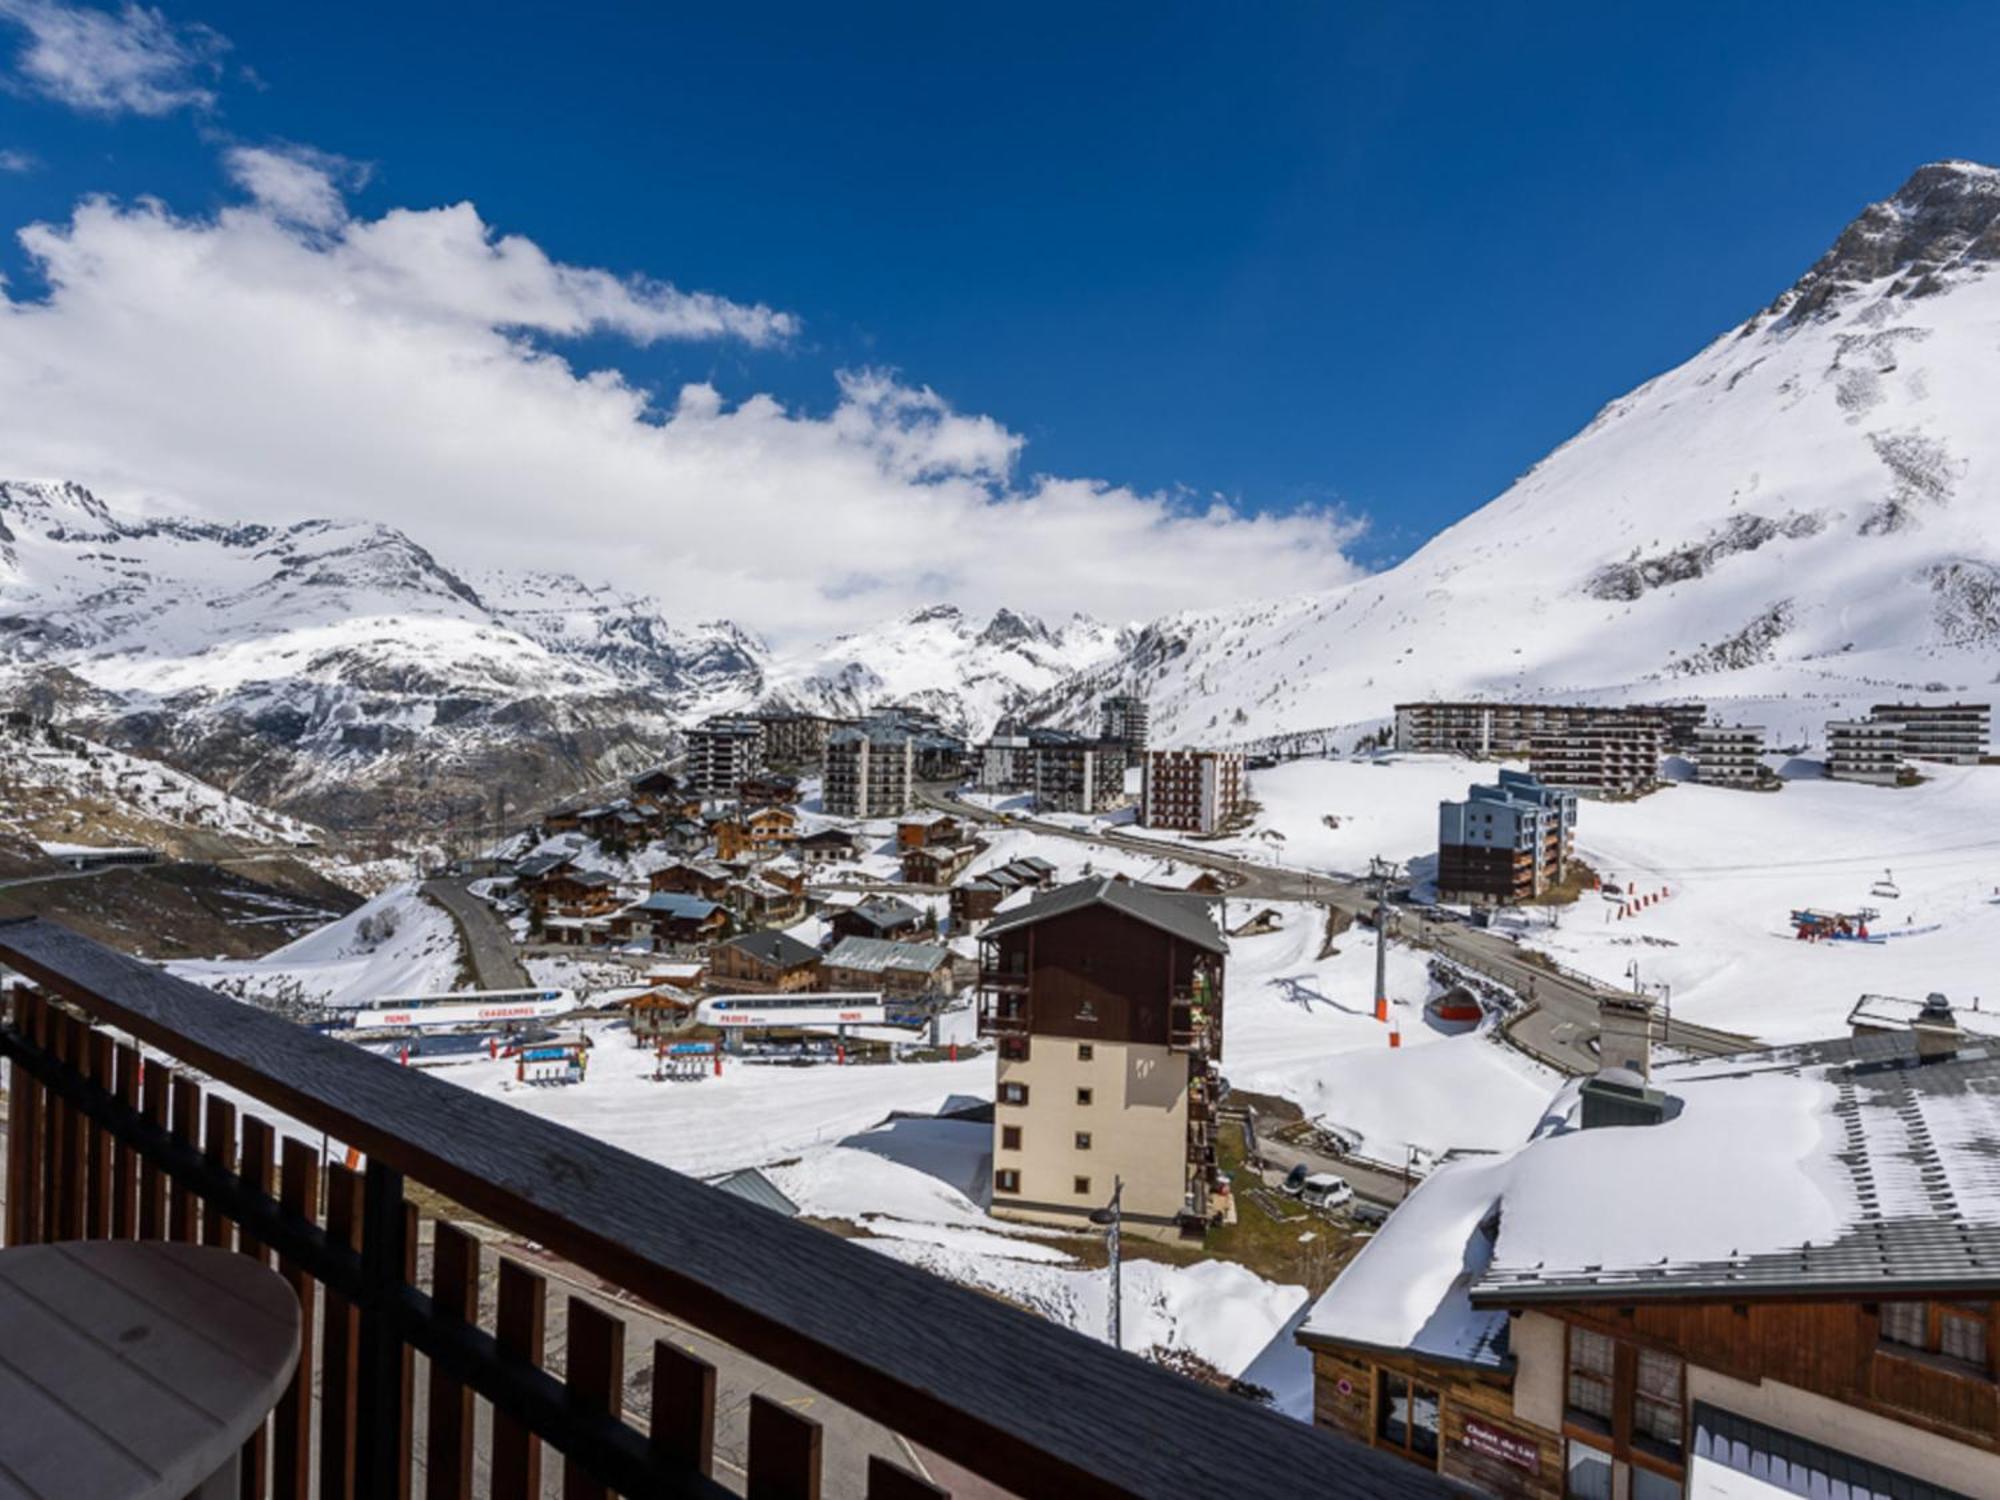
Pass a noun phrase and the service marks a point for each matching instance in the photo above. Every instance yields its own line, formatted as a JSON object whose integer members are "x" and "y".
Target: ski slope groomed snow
{"x": 1736, "y": 863}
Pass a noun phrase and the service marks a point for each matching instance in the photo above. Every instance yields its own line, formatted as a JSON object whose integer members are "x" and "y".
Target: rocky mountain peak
{"x": 939, "y": 614}
{"x": 1945, "y": 218}
{"x": 1007, "y": 628}
{"x": 53, "y": 509}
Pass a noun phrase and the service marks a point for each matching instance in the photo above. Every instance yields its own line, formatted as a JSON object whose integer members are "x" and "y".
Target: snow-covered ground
{"x": 1304, "y": 1028}
{"x": 1736, "y": 864}
{"x": 1336, "y": 815}
{"x": 397, "y": 944}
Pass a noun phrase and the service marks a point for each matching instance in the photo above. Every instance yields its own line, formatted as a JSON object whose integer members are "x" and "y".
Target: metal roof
{"x": 888, "y": 911}
{"x": 1178, "y": 913}
{"x": 674, "y": 904}
{"x": 1916, "y": 1143}
{"x": 880, "y": 953}
{"x": 779, "y": 949}
{"x": 753, "y": 1186}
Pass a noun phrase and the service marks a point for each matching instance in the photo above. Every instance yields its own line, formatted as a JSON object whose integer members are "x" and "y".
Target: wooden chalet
{"x": 768, "y": 789}
{"x": 878, "y": 917}
{"x": 923, "y": 829}
{"x": 575, "y": 893}
{"x": 764, "y": 962}
{"x": 974, "y": 901}
{"x": 825, "y": 846}
{"x": 672, "y": 920}
{"x": 1780, "y": 1267}
{"x": 937, "y": 864}
{"x": 691, "y": 878}
{"x": 763, "y": 903}
{"x": 900, "y": 970}
{"x": 756, "y": 831}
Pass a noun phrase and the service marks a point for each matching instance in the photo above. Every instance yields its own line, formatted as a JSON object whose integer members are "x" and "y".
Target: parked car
{"x": 1326, "y": 1191}
{"x": 1295, "y": 1180}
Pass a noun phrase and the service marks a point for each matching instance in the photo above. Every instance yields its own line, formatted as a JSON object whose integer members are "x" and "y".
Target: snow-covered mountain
{"x": 971, "y": 674}
{"x": 1802, "y": 518}
{"x": 338, "y": 669}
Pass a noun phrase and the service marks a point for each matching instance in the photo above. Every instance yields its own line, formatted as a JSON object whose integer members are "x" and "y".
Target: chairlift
{"x": 1886, "y": 886}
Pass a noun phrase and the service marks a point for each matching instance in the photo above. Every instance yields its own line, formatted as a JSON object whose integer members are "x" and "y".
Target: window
{"x": 1589, "y": 1474}
{"x": 1014, "y": 1048}
{"x": 1013, "y": 1093}
{"x": 1082, "y": 1186}
{"x": 1083, "y": 1096}
{"x": 1083, "y": 1140}
{"x": 1591, "y": 1376}
{"x": 1010, "y": 1138}
{"x": 1406, "y": 1416}
{"x": 1084, "y": 1052}
{"x": 1952, "y": 1330}
{"x": 1648, "y": 1485}
{"x": 1007, "y": 1181}
{"x": 1656, "y": 1405}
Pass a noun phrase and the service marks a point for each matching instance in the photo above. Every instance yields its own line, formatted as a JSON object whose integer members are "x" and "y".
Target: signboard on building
{"x": 1522, "y": 1453}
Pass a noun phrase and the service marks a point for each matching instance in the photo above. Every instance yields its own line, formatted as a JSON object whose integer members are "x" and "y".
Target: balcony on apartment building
{"x": 142, "y": 1107}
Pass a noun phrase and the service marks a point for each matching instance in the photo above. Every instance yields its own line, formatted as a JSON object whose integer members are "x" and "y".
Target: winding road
{"x": 489, "y": 947}
{"x": 1560, "y": 1027}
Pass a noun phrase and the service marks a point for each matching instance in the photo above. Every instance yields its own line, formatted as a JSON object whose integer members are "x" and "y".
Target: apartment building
{"x": 1954, "y": 733}
{"x": 1007, "y": 764}
{"x": 1106, "y": 1000}
{"x": 1601, "y": 757}
{"x": 1730, "y": 755}
{"x": 722, "y": 752}
{"x": 869, "y": 771}
{"x": 1078, "y": 776}
{"x": 1505, "y": 843}
{"x": 795, "y": 739}
{"x": 1680, "y": 1304}
{"x": 1193, "y": 791}
{"x": 1125, "y": 720}
{"x": 1501, "y": 729}
{"x": 1869, "y": 750}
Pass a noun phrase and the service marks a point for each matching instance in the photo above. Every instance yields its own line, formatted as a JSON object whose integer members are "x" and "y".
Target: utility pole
{"x": 1108, "y": 1217}
{"x": 1380, "y": 870}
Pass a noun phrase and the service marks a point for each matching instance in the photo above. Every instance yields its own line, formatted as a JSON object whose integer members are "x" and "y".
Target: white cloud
{"x": 17, "y": 161}
{"x": 296, "y": 184}
{"x": 282, "y": 360}
{"x": 130, "y": 61}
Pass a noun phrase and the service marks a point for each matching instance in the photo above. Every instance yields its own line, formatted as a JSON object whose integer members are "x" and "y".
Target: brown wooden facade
{"x": 1480, "y": 1441}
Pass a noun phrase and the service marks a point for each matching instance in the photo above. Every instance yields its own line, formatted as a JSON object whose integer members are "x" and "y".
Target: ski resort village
{"x": 1517, "y": 1016}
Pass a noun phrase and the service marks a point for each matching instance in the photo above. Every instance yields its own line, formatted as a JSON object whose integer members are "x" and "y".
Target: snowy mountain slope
{"x": 1803, "y": 518}
{"x": 970, "y": 674}
{"x": 328, "y": 667}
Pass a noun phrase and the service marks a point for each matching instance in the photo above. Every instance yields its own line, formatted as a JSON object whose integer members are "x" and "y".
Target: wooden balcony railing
{"x": 104, "y": 1141}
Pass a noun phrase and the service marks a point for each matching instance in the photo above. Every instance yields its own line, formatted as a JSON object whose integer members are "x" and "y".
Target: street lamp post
{"x": 1108, "y": 1219}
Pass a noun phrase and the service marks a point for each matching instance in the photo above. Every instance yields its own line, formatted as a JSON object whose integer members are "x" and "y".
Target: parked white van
{"x": 1324, "y": 1190}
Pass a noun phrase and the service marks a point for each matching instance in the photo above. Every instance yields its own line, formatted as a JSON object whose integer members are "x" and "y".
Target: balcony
{"x": 100, "y": 1148}
{"x": 996, "y": 1022}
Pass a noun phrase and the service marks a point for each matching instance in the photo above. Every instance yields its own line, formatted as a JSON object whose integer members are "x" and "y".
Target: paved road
{"x": 1561, "y": 1029}
{"x": 489, "y": 947}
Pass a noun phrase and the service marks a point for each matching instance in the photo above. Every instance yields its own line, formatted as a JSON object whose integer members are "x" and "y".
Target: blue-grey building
{"x": 1506, "y": 842}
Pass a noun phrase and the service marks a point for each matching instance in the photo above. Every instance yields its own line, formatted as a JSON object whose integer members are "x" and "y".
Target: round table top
{"x": 134, "y": 1370}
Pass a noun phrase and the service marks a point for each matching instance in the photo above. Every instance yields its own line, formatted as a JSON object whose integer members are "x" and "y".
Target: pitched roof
{"x": 1184, "y": 916}
{"x": 675, "y": 904}
{"x": 1840, "y": 1168}
{"x": 888, "y": 911}
{"x": 778, "y": 949}
{"x": 880, "y": 953}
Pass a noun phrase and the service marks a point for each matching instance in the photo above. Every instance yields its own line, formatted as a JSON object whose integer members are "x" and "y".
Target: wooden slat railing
{"x": 1028, "y": 1406}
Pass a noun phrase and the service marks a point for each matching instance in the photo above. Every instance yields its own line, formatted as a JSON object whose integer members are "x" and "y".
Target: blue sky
{"x": 1373, "y": 257}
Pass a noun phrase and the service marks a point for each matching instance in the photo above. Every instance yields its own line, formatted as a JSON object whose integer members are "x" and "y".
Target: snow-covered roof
{"x": 1408, "y": 1289}
{"x": 1840, "y": 1166}
{"x": 1897, "y": 1012}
